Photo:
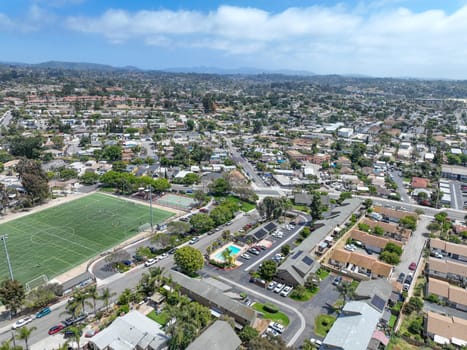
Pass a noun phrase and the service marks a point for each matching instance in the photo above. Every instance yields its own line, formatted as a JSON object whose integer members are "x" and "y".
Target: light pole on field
{"x": 149, "y": 189}
{"x": 10, "y": 270}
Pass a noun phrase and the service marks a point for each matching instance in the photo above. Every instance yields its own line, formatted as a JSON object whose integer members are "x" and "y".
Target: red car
{"x": 56, "y": 329}
{"x": 412, "y": 266}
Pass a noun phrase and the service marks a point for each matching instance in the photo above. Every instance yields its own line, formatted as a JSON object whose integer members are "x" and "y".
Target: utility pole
{"x": 150, "y": 206}
{"x": 4, "y": 238}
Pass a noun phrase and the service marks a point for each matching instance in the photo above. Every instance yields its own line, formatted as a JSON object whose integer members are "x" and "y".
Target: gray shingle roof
{"x": 220, "y": 336}
{"x": 214, "y": 296}
{"x": 299, "y": 267}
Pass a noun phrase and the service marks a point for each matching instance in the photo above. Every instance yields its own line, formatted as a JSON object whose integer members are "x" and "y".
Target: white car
{"x": 316, "y": 341}
{"x": 350, "y": 247}
{"x": 279, "y": 288}
{"x": 271, "y": 285}
{"x": 277, "y": 327}
{"x": 272, "y": 331}
{"x": 22, "y": 322}
{"x": 286, "y": 291}
{"x": 245, "y": 256}
{"x": 150, "y": 262}
{"x": 162, "y": 256}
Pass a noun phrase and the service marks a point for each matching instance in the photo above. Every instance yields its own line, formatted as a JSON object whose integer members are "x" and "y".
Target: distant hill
{"x": 81, "y": 66}
{"x": 230, "y": 71}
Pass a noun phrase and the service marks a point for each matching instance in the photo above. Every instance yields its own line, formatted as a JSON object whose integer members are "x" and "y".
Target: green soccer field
{"x": 55, "y": 240}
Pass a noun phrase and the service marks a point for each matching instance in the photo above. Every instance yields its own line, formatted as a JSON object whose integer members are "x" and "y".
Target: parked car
{"x": 253, "y": 251}
{"x": 245, "y": 256}
{"x": 71, "y": 321}
{"x": 316, "y": 341}
{"x": 150, "y": 262}
{"x": 437, "y": 254}
{"x": 278, "y": 288}
{"x": 55, "y": 329}
{"x": 163, "y": 256}
{"x": 43, "y": 312}
{"x": 408, "y": 279}
{"x": 401, "y": 277}
{"x": 69, "y": 333}
{"x": 194, "y": 240}
{"x": 22, "y": 322}
{"x": 350, "y": 247}
{"x": 273, "y": 332}
{"x": 272, "y": 285}
{"x": 286, "y": 291}
{"x": 172, "y": 251}
{"x": 413, "y": 266}
{"x": 204, "y": 210}
{"x": 337, "y": 280}
{"x": 405, "y": 287}
{"x": 277, "y": 326}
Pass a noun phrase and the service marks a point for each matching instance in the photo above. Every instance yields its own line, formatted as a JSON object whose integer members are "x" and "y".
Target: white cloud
{"x": 368, "y": 38}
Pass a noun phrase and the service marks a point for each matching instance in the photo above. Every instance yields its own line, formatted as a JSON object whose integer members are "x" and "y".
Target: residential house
{"x": 419, "y": 182}
{"x": 454, "y": 172}
{"x": 374, "y": 243}
{"x": 219, "y": 336}
{"x": 453, "y": 296}
{"x": 392, "y": 214}
{"x": 451, "y": 250}
{"x": 134, "y": 331}
{"x": 449, "y": 270}
{"x": 391, "y": 230}
{"x": 355, "y": 327}
{"x": 301, "y": 263}
{"x": 360, "y": 264}
{"x": 446, "y": 329}
{"x": 215, "y": 299}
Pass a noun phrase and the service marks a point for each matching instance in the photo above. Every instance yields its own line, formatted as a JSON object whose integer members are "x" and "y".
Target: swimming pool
{"x": 234, "y": 250}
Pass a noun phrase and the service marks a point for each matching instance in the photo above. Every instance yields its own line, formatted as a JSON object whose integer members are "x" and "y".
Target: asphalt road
{"x": 400, "y": 187}
{"x": 246, "y": 166}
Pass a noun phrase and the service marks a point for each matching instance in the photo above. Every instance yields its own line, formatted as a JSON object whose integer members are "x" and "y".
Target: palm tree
{"x": 80, "y": 298}
{"x": 76, "y": 334}
{"x": 24, "y": 333}
{"x": 227, "y": 257}
{"x": 93, "y": 294}
{"x": 106, "y": 296}
{"x": 346, "y": 290}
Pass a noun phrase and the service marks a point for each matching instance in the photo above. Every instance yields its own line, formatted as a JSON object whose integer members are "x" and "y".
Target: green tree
{"x": 268, "y": 343}
{"x": 24, "y": 333}
{"x": 106, "y": 296}
{"x": 378, "y": 230}
{"x": 220, "y": 187}
{"x": 112, "y": 153}
{"x": 89, "y": 178}
{"x": 178, "y": 228}
{"x": 248, "y": 333}
{"x": 68, "y": 174}
{"x": 414, "y": 304}
{"x": 316, "y": 206}
{"x": 92, "y": 293}
{"x": 201, "y": 223}
{"x": 409, "y": 222}
{"x": 189, "y": 259}
{"x": 33, "y": 179}
{"x": 272, "y": 207}
{"x": 268, "y": 270}
{"x": 190, "y": 124}
{"x": 29, "y": 147}
{"x": 285, "y": 250}
{"x": 191, "y": 179}
{"x": 119, "y": 166}
{"x": 12, "y": 295}
{"x": 257, "y": 127}
{"x": 346, "y": 291}
{"x": 389, "y": 257}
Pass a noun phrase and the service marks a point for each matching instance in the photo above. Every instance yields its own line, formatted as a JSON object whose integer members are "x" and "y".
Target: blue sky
{"x": 417, "y": 38}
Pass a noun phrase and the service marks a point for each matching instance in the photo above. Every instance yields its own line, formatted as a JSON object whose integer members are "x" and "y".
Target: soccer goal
{"x": 36, "y": 282}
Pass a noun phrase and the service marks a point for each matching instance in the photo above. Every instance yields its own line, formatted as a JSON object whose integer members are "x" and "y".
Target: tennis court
{"x": 175, "y": 201}
{"x": 55, "y": 240}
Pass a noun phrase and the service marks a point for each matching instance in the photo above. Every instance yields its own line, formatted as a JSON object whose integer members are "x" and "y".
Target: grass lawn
{"x": 276, "y": 317}
{"x": 396, "y": 343}
{"x": 392, "y": 321}
{"x": 354, "y": 284}
{"x": 306, "y": 296}
{"x": 322, "y": 274}
{"x": 242, "y": 205}
{"x": 323, "y": 324}
{"x": 56, "y": 239}
{"x": 303, "y": 208}
{"x": 161, "y": 318}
